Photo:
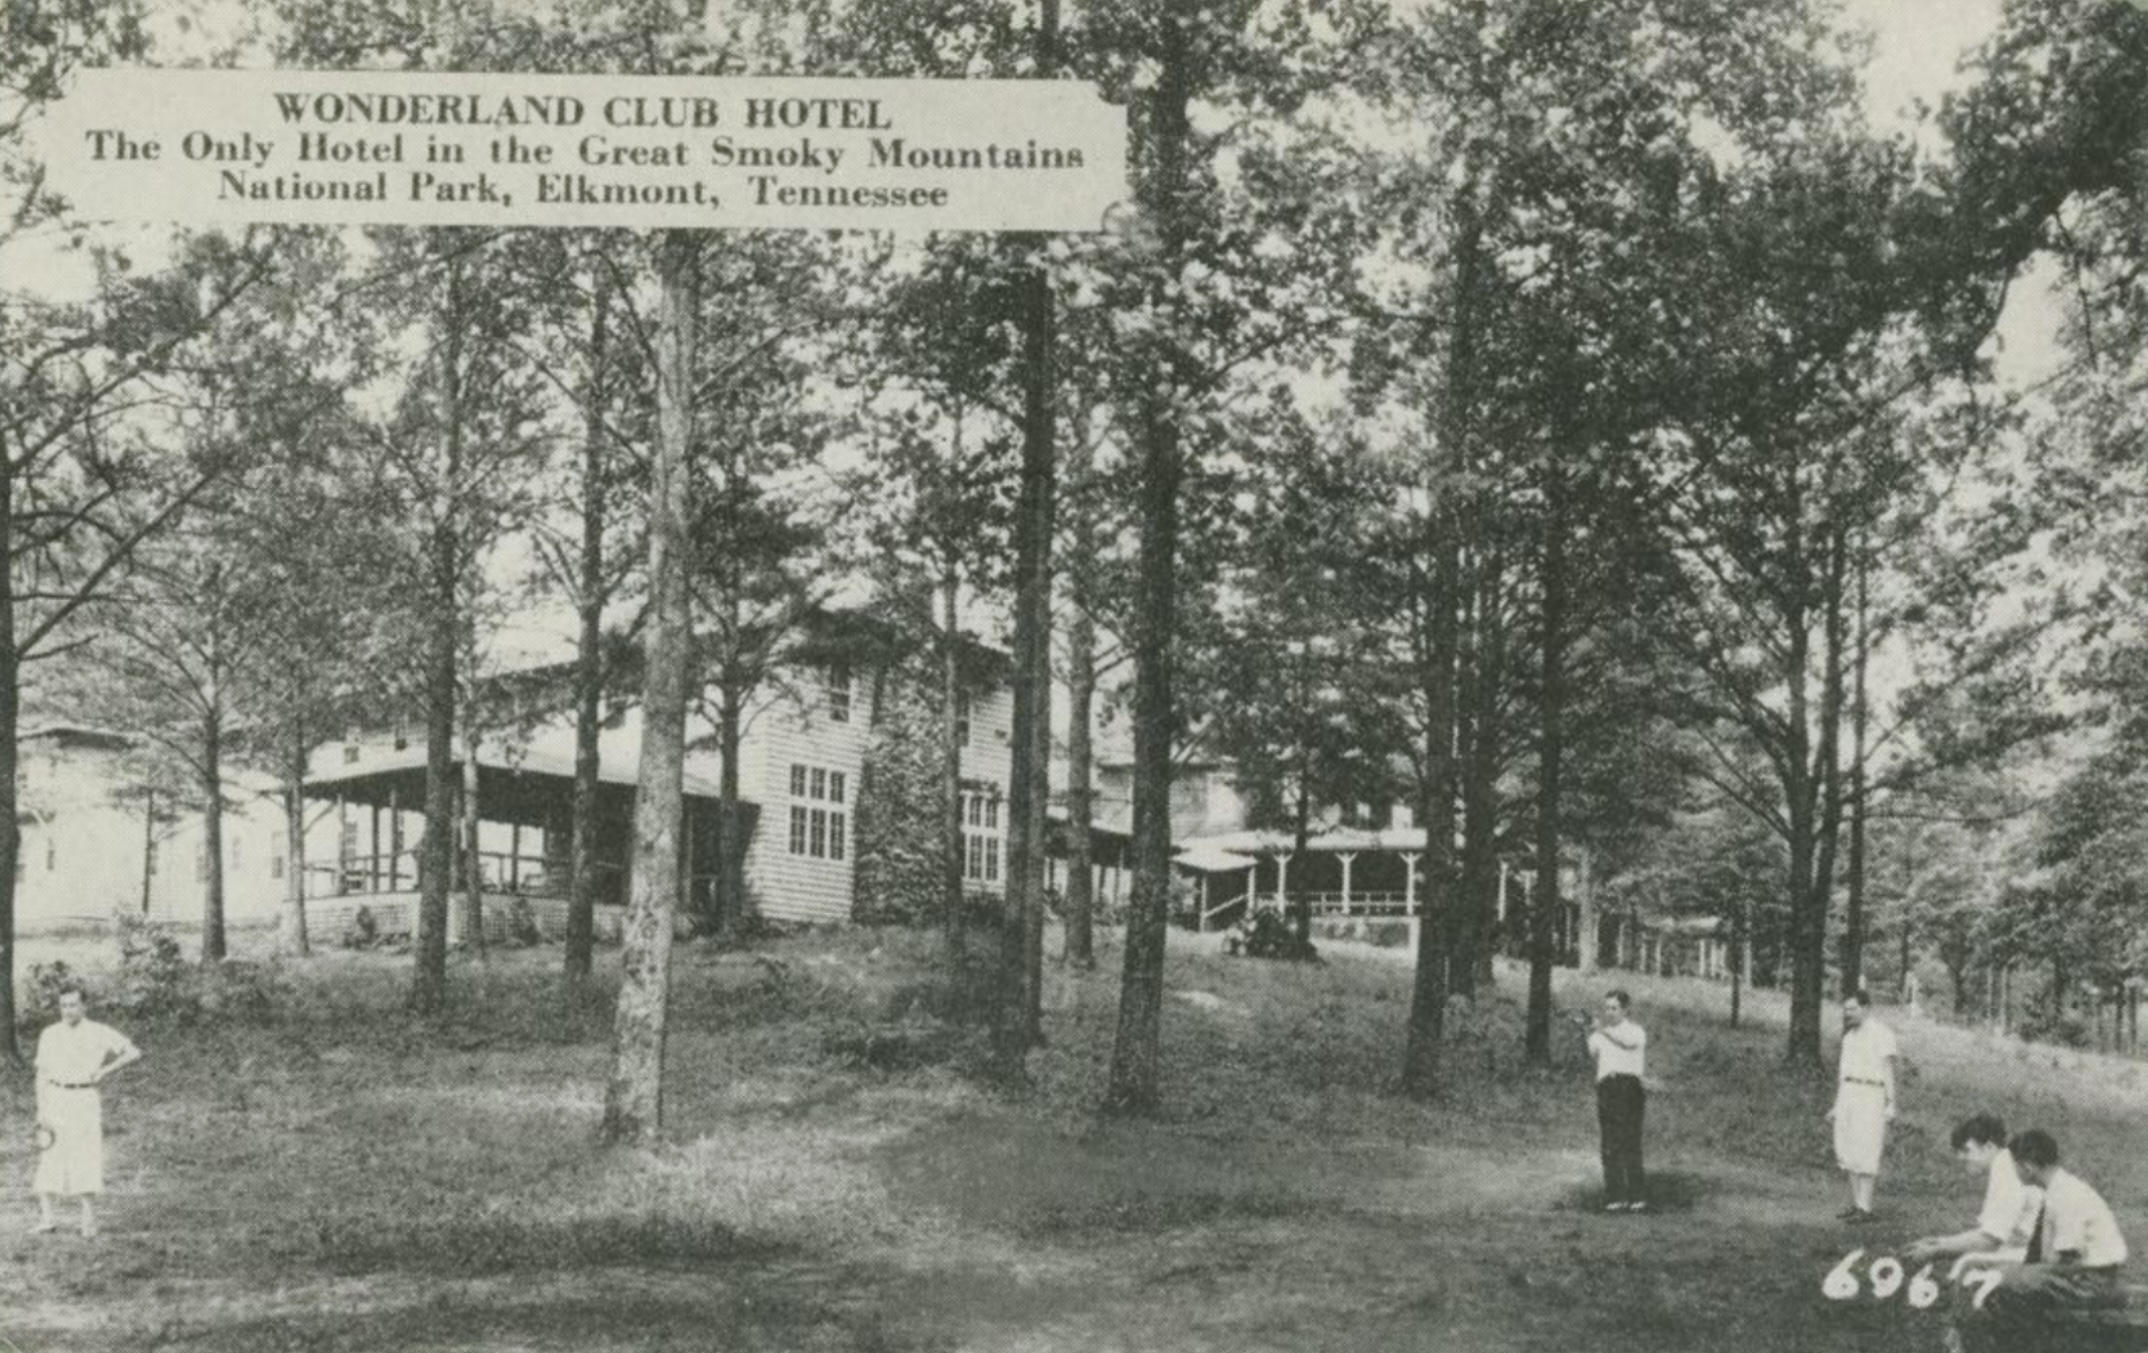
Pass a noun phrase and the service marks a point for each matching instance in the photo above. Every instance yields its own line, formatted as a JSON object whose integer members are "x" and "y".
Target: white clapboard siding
{"x": 799, "y": 887}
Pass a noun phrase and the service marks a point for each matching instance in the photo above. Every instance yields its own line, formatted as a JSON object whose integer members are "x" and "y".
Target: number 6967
{"x": 1887, "y": 1277}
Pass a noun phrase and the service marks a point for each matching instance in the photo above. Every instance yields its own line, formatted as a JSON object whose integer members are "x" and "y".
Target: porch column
{"x": 395, "y": 839}
{"x": 1252, "y": 885}
{"x": 514, "y": 857}
{"x": 1282, "y": 880}
{"x": 1346, "y": 856}
{"x": 372, "y": 848}
{"x": 1409, "y": 882}
{"x": 1502, "y": 908}
{"x": 1200, "y": 918}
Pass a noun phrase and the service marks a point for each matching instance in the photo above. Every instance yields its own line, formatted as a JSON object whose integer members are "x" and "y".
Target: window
{"x": 149, "y": 859}
{"x": 52, "y": 856}
{"x": 201, "y": 864}
{"x": 962, "y": 718}
{"x": 402, "y": 735}
{"x": 836, "y": 676}
{"x": 819, "y": 823}
{"x": 275, "y": 862}
{"x": 980, "y": 834}
{"x": 350, "y": 753}
{"x": 235, "y": 854}
{"x": 347, "y": 842}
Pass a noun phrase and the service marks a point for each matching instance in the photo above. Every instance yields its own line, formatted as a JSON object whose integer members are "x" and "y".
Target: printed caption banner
{"x": 438, "y": 148}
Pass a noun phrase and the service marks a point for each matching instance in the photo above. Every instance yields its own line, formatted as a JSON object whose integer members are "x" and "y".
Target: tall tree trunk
{"x": 633, "y": 1095}
{"x": 1301, "y": 832}
{"x": 428, "y": 994}
{"x": 1816, "y": 813}
{"x": 149, "y": 848}
{"x": 1472, "y": 966}
{"x": 295, "y": 937}
{"x": 1081, "y": 797}
{"x": 1853, "y": 921}
{"x": 1738, "y": 941}
{"x": 951, "y": 854}
{"x": 730, "y": 901}
{"x": 1018, "y": 1027}
{"x": 1544, "y": 913}
{"x": 10, "y": 796}
{"x": 1436, "y": 640}
{"x": 1133, "y": 1087}
{"x": 473, "y": 857}
{"x": 1437, "y": 919}
{"x": 212, "y": 836}
{"x": 589, "y": 650}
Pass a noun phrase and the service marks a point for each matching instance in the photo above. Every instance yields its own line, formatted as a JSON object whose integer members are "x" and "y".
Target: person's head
{"x": 1616, "y": 1004}
{"x": 1854, "y": 1006}
{"x": 2035, "y": 1155}
{"x": 72, "y": 1004}
{"x": 1977, "y": 1139}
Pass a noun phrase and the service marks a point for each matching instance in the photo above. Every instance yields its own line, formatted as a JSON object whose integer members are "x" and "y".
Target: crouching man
{"x": 2074, "y": 1259}
{"x": 2008, "y": 1216}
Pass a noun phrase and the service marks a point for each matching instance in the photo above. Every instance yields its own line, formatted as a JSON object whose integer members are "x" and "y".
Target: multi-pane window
{"x": 980, "y": 835}
{"x": 962, "y": 718}
{"x": 819, "y": 821}
{"x": 836, "y": 676}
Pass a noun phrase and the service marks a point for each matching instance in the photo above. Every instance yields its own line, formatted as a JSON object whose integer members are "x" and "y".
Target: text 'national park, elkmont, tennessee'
{"x": 435, "y": 148}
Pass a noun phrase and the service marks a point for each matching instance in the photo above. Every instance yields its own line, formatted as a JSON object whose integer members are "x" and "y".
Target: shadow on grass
{"x": 1668, "y": 1191}
{"x": 736, "y": 1318}
{"x": 480, "y": 1246}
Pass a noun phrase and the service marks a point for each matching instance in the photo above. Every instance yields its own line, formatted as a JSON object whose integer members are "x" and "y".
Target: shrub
{"x": 1267, "y": 934}
{"x": 364, "y": 930}
{"x": 47, "y": 981}
{"x": 155, "y": 981}
{"x": 521, "y": 924}
{"x": 2045, "y": 1023}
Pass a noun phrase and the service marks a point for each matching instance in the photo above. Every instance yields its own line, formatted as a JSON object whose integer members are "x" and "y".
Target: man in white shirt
{"x": 1864, "y": 1102}
{"x": 2004, "y": 1223}
{"x": 2075, "y": 1258}
{"x": 73, "y": 1058}
{"x": 1619, "y": 1045}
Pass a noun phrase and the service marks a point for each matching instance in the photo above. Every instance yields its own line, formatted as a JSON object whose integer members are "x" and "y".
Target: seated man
{"x": 2074, "y": 1260}
{"x": 2003, "y": 1224}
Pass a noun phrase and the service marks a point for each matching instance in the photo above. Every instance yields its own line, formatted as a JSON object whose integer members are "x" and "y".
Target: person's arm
{"x": 1610, "y": 1033}
{"x": 1887, "y": 1075}
{"x": 1973, "y": 1241}
{"x": 121, "y": 1054}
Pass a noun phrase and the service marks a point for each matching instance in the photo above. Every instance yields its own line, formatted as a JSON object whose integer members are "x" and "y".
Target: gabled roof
{"x": 78, "y": 735}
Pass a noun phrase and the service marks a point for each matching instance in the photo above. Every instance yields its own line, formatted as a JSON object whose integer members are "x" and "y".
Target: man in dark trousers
{"x": 2075, "y": 1258}
{"x": 1619, "y": 1045}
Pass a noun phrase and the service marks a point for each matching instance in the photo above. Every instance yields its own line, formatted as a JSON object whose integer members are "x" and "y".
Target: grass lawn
{"x": 347, "y": 1179}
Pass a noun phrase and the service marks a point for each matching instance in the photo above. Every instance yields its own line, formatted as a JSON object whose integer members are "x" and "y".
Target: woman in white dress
{"x": 1864, "y": 1102}
{"x": 73, "y": 1058}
